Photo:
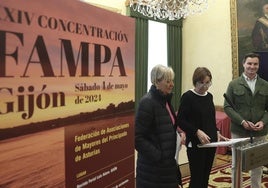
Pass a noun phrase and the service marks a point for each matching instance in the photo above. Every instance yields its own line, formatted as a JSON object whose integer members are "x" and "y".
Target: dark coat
{"x": 155, "y": 142}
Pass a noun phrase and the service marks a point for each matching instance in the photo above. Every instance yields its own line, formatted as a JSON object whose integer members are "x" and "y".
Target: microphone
{"x": 233, "y": 106}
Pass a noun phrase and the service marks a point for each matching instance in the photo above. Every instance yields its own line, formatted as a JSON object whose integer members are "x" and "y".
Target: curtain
{"x": 141, "y": 61}
{"x": 174, "y": 55}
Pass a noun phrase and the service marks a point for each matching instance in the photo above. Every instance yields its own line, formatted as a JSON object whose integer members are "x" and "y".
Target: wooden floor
{"x": 219, "y": 160}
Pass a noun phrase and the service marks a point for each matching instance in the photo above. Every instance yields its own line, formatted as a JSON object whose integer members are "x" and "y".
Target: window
{"x": 157, "y": 46}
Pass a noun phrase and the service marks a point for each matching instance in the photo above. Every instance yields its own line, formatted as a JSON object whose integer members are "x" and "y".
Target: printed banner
{"x": 67, "y": 95}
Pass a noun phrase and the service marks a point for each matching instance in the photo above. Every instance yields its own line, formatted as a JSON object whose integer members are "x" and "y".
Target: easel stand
{"x": 247, "y": 157}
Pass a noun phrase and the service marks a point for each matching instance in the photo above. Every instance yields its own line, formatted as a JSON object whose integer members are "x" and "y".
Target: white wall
{"x": 117, "y": 6}
{"x": 207, "y": 42}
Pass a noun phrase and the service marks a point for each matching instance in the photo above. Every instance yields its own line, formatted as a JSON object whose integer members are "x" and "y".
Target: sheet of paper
{"x": 223, "y": 143}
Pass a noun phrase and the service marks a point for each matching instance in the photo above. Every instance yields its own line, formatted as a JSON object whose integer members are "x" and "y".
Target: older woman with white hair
{"x": 155, "y": 134}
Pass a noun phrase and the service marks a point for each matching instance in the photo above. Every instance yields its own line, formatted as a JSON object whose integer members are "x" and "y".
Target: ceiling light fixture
{"x": 169, "y": 9}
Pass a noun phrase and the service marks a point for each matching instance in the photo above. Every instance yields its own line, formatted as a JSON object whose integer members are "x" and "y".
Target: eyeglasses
{"x": 200, "y": 84}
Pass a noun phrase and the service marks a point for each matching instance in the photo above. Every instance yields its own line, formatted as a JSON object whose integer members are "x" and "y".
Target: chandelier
{"x": 168, "y": 9}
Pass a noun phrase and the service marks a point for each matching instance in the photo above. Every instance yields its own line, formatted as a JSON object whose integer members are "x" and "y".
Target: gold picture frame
{"x": 234, "y": 39}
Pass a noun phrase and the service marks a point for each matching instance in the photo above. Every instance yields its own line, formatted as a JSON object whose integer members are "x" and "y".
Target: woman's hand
{"x": 221, "y": 138}
{"x": 203, "y": 137}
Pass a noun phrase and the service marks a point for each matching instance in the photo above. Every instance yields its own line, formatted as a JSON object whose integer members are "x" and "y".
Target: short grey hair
{"x": 161, "y": 72}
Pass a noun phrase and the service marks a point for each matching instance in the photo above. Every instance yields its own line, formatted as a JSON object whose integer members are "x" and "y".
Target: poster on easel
{"x": 67, "y": 95}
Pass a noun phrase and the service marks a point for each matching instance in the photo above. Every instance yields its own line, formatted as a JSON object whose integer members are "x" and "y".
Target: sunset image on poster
{"x": 90, "y": 68}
